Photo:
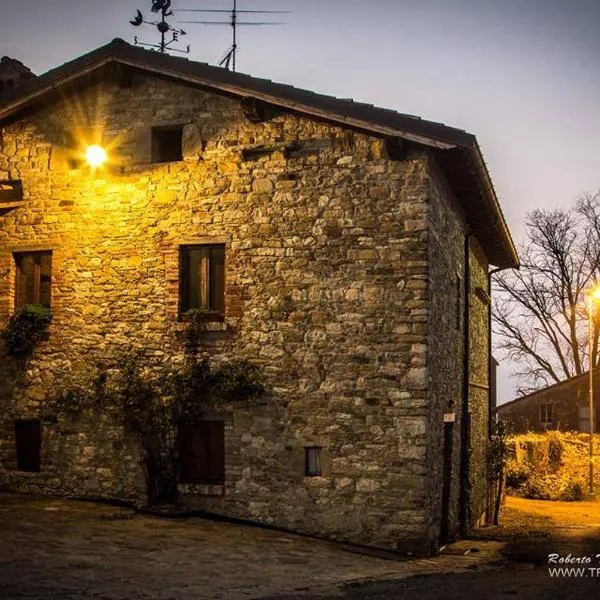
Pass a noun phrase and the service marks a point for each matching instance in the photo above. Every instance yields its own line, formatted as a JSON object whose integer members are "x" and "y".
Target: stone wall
{"x": 446, "y": 352}
{"x": 445, "y": 346}
{"x": 326, "y": 291}
{"x": 479, "y": 385}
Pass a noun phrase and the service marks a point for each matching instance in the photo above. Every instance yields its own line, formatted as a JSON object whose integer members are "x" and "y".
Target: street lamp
{"x": 95, "y": 156}
{"x": 593, "y": 295}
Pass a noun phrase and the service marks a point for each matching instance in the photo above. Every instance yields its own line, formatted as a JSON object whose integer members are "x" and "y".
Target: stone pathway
{"x": 67, "y": 550}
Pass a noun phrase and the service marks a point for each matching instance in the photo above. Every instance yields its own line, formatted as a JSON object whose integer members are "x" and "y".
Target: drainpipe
{"x": 465, "y": 495}
{"x": 490, "y": 416}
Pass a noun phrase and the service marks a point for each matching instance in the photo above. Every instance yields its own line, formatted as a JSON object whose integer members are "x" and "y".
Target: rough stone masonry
{"x": 343, "y": 283}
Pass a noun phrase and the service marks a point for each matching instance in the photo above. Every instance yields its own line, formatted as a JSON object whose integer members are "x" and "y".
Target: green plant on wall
{"x": 25, "y": 329}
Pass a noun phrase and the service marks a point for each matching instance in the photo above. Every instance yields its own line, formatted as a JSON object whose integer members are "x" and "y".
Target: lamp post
{"x": 594, "y": 295}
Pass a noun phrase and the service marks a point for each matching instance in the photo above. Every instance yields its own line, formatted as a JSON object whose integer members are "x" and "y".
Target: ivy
{"x": 25, "y": 329}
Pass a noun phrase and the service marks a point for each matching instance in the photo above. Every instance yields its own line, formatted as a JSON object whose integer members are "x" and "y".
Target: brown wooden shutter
{"x": 203, "y": 277}
{"x": 25, "y": 277}
{"x": 28, "y": 438}
{"x": 217, "y": 278}
{"x": 202, "y": 453}
{"x": 45, "y": 278}
{"x": 34, "y": 278}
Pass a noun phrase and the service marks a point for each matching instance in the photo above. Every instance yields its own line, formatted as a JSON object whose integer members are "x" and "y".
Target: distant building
{"x": 563, "y": 406}
{"x": 13, "y": 73}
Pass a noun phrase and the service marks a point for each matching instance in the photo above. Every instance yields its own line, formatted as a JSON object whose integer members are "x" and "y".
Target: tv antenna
{"x": 229, "y": 56}
{"x": 162, "y": 7}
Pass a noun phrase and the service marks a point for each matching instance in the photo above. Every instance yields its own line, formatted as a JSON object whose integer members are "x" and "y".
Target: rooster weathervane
{"x": 162, "y": 7}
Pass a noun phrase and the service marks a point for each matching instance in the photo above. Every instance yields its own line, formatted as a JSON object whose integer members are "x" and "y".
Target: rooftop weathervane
{"x": 229, "y": 57}
{"x": 162, "y": 7}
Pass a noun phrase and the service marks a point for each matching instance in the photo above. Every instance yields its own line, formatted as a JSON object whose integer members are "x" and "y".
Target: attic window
{"x": 167, "y": 143}
{"x": 395, "y": 148}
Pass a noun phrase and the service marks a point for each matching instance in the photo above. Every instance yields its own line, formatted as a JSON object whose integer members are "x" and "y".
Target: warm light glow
{"x": 595, "y": 293}
{"x": 95, "y": 156}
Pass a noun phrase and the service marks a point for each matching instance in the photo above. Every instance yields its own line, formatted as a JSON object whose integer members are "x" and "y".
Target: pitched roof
{"x": 456, "y": 150}
{"x": 565, "y": 383}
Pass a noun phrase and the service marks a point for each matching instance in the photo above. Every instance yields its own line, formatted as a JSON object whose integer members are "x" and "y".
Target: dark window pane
{"x": 28, "y": 438}
{"x": 202, "y": 453}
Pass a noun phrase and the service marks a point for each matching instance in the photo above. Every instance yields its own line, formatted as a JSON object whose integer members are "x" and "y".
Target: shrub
{"x": 550, "y": 466}
{"x": 516, "y": 476}
{"x": 573, "y": 492}
{"x": 25, "y": 329}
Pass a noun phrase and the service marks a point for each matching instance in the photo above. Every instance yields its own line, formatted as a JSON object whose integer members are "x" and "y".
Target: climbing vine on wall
{"x": 156, "y": 406}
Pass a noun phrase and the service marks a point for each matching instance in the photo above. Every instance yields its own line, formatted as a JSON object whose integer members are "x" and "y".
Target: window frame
{"x": 214, "y": 305}
{"x": 21, "y": 275}
{"x": 309, "y": 471}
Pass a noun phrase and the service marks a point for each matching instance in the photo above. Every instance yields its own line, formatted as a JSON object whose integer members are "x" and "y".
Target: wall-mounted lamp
{"x": 95, "y": 156}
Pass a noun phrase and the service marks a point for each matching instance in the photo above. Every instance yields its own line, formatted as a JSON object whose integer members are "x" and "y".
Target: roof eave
{"x": 436, "y": 136}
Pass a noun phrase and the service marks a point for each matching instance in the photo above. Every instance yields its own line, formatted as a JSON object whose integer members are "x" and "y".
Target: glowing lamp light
{"x": 595, "y": 293}
{"x": 95, "y": 156}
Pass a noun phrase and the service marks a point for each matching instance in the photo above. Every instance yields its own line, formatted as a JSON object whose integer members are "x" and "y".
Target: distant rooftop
{"x": 13, "y": 73}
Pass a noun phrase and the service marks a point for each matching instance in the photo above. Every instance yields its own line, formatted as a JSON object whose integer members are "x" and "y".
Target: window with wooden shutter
{"x": 34, "y": 278}
{"x": 28, "y": 440}
{"x": 203, "y": 278}
{"x": 202, "y": 453}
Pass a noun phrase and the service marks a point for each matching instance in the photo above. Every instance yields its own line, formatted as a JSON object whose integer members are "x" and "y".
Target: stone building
{"x": 349, "y": 249}
{"x": 563, "y": 406}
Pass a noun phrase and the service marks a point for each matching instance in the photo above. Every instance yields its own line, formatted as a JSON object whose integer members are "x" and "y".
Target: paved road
{"x": 66, "y": 550}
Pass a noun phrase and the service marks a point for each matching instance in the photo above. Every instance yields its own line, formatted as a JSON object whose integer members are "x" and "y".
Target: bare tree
{"x": 540, "y": 312}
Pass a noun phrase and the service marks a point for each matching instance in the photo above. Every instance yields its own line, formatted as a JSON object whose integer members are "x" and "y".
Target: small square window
{"x": 28, "y": 441}
{"x": 167, "y": 144}
{"x": 203, "y": 278}
{"x": 34, "y": 278}
{"x": 312, "y": 461}
{"x": 202, "y": 453}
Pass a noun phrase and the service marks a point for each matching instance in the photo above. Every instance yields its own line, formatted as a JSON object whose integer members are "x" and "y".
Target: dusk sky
{"x": 523, "y": 75}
